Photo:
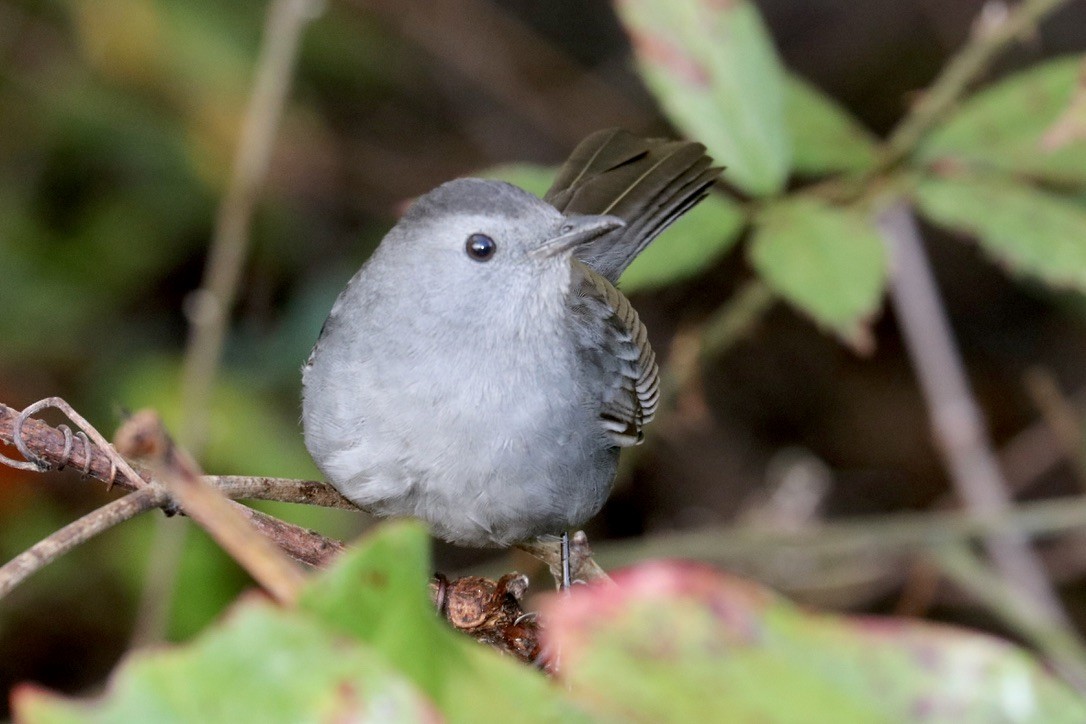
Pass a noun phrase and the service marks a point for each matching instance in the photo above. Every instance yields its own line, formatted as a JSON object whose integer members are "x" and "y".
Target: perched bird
{"x": 481, "y": 371}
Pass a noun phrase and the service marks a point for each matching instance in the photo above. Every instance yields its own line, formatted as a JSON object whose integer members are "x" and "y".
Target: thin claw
{"x": 528, "y": 616}
{"x": 442, "y": 602}
{"x": 566, "y": 583}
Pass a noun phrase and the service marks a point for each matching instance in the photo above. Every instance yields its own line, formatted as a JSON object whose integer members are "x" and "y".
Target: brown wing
{"x": 615, "y": 345}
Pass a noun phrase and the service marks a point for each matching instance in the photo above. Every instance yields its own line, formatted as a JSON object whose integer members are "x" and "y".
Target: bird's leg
{"x": 566, "y": 582}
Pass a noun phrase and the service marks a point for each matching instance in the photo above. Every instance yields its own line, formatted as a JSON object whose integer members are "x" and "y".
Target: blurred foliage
{"x": 713, "y": 68}
{"x": 671, "y": 642}
{"x": 118, "y": 119}
{"x": 828, "y": 260}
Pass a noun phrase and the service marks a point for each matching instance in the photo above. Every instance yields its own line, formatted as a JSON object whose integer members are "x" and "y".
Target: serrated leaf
{"x": 1033, "y": 123}
{"x": 681, "y": 642}
{"x": 1032, "y": 232}
{"x": 263, "y": 664}
{"x": 713, "y": 68}
{"x": 826, "y": 260}
{"x": 825, "y": 137}
{"x": 690, "y": 245}
{"x": 378, "y": 594}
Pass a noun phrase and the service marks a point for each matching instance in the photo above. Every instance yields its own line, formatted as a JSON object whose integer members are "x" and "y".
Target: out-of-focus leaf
{"x": 264, "y": 664}
{"x": 1033, "y": 123}
{"x": 689, "y": 246}
{"x": 530, "y": 177}
{"x": 1031, "y": 232}
{"x": 363, "y": 644}
{"x": 378, "y": 594}
{"x": 826, "y": 260}
{"x": 681, "y": 642}
{"x": 713, "y": 67}
{"x": 825, "y": 137}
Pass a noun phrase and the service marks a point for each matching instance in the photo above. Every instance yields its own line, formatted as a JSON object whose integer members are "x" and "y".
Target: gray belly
{"x": 479, "y": 472}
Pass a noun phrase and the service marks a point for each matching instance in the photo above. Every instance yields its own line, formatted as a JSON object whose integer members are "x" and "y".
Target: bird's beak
{"x": 575, "y": 231}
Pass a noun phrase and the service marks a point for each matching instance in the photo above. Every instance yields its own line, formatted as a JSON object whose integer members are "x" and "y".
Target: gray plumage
{"x": 490, "y": 397}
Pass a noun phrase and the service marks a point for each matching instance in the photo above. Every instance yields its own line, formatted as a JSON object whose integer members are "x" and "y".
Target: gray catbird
{"x": 481, "y": 371}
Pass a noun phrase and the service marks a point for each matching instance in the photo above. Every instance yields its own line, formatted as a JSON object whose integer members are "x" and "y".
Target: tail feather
{"x": 648, "y": 183}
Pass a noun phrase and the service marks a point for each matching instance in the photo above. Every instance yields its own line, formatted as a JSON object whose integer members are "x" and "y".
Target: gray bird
{"x": 481, "y": 371}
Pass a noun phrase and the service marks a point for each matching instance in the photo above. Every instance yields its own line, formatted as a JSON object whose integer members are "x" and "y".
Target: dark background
{"x": 118, "y": 122}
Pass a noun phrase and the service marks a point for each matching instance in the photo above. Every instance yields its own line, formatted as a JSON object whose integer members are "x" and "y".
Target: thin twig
{"x": 956, "y": 418}
{"x": 282, "y": 490}
{"x": 209, "y": 307}
{"x": 1060, "y": 416}
{"x": 47, "y": 443}
{"x": 210, "y": 311}
{"x": 883, "y": 534}
{"x": 142, "y": 436}
{"x": 74, "y": 534}
{"x": 960, "y": 73}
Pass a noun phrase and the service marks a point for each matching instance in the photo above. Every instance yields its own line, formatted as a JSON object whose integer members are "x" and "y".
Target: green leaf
{"x": 263, "y": 664}
{"x": 825, "y": 137}
{"x": 713, "y": 68}
{"x": 364, "y": 644}
{"x": 378, "y": 593}
{"x": 1030, "y": 231}
{"x": 1033, "y": 123}
{"x": 681, "y": 642}
{"x": 828, "y": 261}
{"x": 690, "y": 245}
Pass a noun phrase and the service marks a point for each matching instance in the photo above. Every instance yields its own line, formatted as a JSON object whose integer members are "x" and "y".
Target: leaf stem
{"x": 987, "y": 42}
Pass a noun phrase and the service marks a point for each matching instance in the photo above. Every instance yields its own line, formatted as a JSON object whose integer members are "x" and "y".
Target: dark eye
{"x": 480, "y": 247}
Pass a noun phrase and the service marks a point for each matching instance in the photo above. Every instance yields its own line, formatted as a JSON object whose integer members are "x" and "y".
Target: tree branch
{"x": 50, "y": 445}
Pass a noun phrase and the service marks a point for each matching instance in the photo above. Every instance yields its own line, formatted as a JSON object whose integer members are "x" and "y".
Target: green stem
{"x": 958, "y": 74}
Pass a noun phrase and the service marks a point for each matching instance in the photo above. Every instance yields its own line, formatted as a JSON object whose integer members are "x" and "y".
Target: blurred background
{"x": 119, "y": 121}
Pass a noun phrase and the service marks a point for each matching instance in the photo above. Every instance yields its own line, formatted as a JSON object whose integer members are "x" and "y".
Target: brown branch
{"x": 210, "y": 311}
{"x": 143, "y": 436}
{"x": 47, "y": 443}
{"x": 301, "y": 544}
{"x": 282, "y": 490}
{"x": 41, "y": 554}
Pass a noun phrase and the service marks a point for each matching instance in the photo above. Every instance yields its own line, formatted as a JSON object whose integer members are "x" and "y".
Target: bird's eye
{"x": 480, "y": 247}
